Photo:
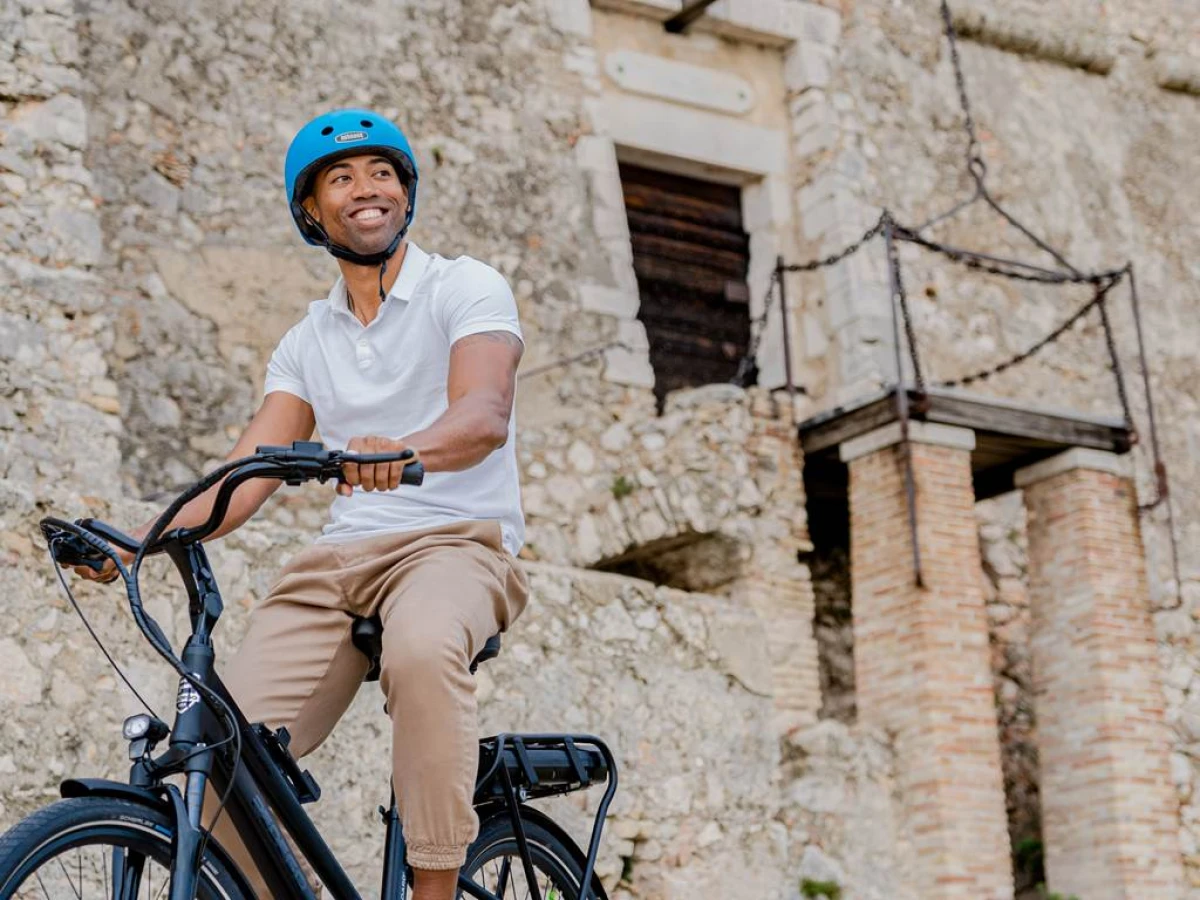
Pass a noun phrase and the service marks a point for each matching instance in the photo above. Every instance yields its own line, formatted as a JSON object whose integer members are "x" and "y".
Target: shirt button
{"x": 362, "y": 351}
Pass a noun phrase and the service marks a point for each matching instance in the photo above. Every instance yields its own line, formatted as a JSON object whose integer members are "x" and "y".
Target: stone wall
{"x": 149, "y": 269}
{"x": 147, "y": 266}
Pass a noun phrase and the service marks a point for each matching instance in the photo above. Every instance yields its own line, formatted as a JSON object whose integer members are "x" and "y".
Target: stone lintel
{"x": 1075, "y": 458}
{"x": 918, "y": 433}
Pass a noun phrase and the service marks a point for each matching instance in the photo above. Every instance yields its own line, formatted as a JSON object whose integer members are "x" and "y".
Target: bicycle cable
{"x": 90, "y": 630}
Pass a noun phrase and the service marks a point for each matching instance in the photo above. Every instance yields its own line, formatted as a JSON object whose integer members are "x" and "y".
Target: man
{"x": 409, "y": 350}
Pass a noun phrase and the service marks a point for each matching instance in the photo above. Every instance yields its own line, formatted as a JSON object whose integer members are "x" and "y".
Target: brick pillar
{"x": 921, "y": 656}
{"x": 1110, "y": 818}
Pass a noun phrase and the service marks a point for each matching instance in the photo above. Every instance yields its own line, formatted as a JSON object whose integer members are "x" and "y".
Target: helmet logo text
{"x": 347, "y": 137}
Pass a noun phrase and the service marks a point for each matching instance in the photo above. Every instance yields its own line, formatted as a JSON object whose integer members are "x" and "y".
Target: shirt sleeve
{"x": 478, "y": 299}
{"x": 284, "y": 371}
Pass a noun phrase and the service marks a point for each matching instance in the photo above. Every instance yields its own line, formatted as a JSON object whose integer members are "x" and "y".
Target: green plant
{"x": 830, "y": 890}
{"x": 622, "y": 487}
{"x": 1044, "y": 894}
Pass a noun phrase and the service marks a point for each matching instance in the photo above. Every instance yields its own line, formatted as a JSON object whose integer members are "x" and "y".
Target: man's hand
{"x": 106, "y": 575}
{"x": 374, "y": 477}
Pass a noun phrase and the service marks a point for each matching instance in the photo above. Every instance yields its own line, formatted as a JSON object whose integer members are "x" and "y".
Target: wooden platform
{"x": 1008, "y": 436}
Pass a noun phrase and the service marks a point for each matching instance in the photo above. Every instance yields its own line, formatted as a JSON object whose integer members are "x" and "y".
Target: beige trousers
{"x": 441, "y": 593}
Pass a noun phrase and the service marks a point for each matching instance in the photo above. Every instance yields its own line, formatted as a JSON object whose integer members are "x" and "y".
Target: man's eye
{"x": 383, "y": 173}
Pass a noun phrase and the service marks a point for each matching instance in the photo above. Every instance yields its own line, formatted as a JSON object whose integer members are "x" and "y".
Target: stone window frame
{"x": 753, "y": 157}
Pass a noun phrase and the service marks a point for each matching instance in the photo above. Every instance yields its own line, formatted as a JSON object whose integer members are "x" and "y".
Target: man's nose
{"x": 364, "y": 186}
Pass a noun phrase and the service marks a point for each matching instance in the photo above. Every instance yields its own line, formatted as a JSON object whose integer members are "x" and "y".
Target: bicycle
{"x": 109, "y": 838}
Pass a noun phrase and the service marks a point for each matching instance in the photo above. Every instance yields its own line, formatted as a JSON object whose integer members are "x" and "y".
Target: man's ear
{"x": 310, "y": 205}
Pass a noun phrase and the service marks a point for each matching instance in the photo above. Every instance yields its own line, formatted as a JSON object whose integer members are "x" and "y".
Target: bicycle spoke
{"x": 42, "y": 886}
{"x": 67, "y": 875}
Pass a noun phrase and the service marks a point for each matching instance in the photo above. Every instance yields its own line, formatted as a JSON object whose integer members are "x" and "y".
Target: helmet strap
{"x": 359, "y": 259}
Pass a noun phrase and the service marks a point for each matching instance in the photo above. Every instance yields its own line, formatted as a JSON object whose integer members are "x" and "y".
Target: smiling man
{"x": 409, "y": 350}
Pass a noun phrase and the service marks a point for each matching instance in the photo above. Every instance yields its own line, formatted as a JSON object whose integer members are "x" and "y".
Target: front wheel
{"x": 100, "y": 847}
{"x": 494, "y": 864}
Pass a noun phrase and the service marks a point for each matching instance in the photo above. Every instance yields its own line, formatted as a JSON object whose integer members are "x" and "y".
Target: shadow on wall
{"x": 697, "y": 562}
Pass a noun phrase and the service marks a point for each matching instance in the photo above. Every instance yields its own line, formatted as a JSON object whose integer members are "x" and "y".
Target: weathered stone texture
{"x": 147, "y": 265}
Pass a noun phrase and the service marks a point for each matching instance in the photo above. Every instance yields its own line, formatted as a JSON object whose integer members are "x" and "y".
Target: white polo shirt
{"x": 389, "y": 379}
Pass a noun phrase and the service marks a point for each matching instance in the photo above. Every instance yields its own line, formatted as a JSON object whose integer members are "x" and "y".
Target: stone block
{"x": 696, "y": 135}
{"x": 595, "y": 153}
{"x": 807, "y": 65}
{"x": 630, "y": 364}
{"x": 817, "y": 139}
{"x": 609, "y": 219}
{"x": 766, "y": 204}
{"x": 571, "y": 17}
{"x": 609, "y": 301}
{"x": 889, "y": 435}
{"x": 819, "y": 24}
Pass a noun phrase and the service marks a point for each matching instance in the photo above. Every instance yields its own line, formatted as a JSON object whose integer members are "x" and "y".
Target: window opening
{"x": 690, "y": 254}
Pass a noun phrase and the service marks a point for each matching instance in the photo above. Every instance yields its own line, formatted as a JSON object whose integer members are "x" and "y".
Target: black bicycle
{"x": 144, "y": 838}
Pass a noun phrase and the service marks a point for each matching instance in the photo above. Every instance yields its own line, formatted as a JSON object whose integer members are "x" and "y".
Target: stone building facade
{"x": 148, "y": 266}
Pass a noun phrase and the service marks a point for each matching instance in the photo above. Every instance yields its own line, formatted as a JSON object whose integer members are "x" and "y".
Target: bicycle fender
{"x": 100, "y": 787}
{"x": 161, "y": 800}
{"x": 529, "y": 814}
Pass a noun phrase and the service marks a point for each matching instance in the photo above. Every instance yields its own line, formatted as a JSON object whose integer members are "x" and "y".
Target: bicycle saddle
{"x": 367, "y": 635}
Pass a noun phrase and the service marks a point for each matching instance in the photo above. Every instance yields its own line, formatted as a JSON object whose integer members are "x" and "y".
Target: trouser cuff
{"x": 436, "y": 858}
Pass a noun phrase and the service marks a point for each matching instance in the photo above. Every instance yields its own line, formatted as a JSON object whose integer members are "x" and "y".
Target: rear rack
{"x": 545, "y": 765}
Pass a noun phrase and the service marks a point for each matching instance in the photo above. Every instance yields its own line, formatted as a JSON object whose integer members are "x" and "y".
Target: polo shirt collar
{"x": 411, "y": 270}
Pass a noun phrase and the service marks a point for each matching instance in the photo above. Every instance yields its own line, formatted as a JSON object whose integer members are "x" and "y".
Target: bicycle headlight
{"x": 136, "y": 727}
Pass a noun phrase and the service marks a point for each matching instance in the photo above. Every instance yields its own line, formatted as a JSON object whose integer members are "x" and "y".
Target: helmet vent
{"x": 327, "y": 130}
{"x": 367, "y": 123}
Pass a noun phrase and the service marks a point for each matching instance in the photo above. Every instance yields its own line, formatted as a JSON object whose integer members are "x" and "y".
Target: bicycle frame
{"x": 263, "y": 786}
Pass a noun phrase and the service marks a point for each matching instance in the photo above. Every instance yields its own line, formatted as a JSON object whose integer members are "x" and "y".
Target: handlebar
{"x": 302, "y": 461}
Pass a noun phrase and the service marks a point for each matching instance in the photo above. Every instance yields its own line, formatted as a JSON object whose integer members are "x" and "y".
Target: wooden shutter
{"x": 690, "y": 254}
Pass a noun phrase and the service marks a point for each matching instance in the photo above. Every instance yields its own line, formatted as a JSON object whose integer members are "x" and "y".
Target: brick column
{"x": 921, "y": 656}
{"x": 1110, "y": 817}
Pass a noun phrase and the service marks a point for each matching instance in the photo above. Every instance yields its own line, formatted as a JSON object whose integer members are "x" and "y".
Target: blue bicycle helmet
{"x": 328, "y": 137}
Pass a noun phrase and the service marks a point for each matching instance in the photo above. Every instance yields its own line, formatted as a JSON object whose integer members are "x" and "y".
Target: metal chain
{"x": 758, "y": 325}
{"x": 834, "y": 258}
{"x": 984, "y": 374}
{"x": 975, "y": 163}
{"x": 570, "y": 360}
{"x": 1004, "y": 267}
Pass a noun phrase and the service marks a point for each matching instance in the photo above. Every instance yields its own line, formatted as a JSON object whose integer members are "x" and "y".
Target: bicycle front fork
{"x": 395, "y": 869}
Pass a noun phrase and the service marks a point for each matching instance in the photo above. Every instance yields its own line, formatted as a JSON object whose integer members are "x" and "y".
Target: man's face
{"x": 360, "y": 202}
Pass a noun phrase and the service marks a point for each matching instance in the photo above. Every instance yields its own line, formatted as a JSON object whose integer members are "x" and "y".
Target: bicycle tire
{"x": 551, "y": 855}
{"x": 62, "y": 831}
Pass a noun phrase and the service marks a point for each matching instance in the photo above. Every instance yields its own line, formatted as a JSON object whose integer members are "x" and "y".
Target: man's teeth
{"x": 368, "y": 214}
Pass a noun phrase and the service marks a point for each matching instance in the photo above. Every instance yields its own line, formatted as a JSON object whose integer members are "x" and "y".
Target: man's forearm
{"x": 463, "y": 436}
{"x": 244, "y": 503}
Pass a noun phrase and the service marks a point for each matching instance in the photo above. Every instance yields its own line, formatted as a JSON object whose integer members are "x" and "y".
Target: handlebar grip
{"x": 414, "y": 472}
{"x": 71, "y": 550}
